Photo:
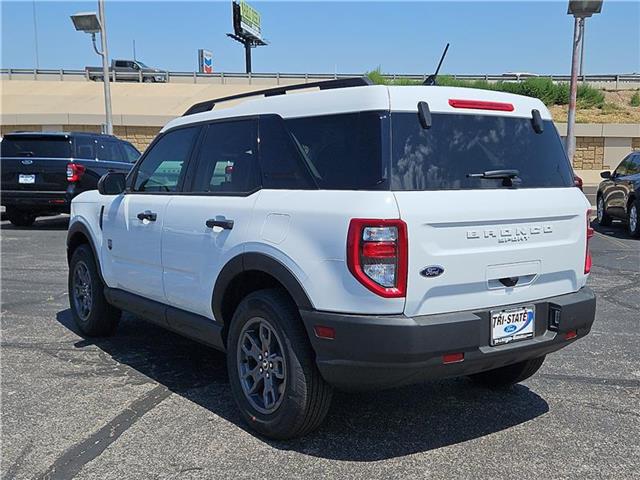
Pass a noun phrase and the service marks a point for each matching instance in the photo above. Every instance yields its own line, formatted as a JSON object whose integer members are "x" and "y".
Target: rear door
{"x": 494, "y": 241}
{"x": 35, "y": 162}
{"x": 208, "y": 225}
{"x": 133, "y": 221}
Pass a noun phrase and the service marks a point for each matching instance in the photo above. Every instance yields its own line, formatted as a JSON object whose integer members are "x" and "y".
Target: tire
{"x": 93, "y": 315}
{"x": 510, "y": 375}
{"x": 148, "y": 80}
{"x": 633, "y": 219}
{"x": 603, "y": 218}
{"x": 299, "y": 398}
{"x": 21, "y": 219}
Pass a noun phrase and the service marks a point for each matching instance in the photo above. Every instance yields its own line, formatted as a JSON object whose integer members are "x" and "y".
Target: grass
{"x": 635, "y": 99}
{"x": 539, "y": 87}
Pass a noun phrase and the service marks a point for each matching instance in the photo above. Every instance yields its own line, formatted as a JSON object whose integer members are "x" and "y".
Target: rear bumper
{"x": 37, "y": 200}
{"x": 371, "y": 352}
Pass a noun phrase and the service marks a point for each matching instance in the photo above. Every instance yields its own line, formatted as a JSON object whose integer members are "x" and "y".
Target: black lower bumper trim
{"x": 384, "y": 351}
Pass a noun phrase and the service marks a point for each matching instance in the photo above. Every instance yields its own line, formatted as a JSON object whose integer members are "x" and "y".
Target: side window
{"x": 227, "y": 162}
{"x": 164, "y": 165}
{"x": 281, "y": 163}
{"x": 108, "y": 150}
{"x": 130, "y": 152}
{"x": 634, "y": 165}
{"x": 621, "y": 171}
{"x": 85, "y": 148}
{"x": 344, "y": 152}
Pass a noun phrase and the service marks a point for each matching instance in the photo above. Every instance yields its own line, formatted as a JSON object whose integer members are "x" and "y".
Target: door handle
{"x": 148, "y": 215}
{"x": 224, "y": 223}
{"x": 509, "y": 281}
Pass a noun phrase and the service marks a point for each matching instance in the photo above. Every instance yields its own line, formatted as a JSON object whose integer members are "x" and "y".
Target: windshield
{"x": 142, "y": 64}
{"x": 32, "y": 146}
{"x": 442, "y": 157}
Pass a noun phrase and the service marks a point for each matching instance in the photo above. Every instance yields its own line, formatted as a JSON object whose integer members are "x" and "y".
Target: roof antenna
{"x": 431, "y": 79}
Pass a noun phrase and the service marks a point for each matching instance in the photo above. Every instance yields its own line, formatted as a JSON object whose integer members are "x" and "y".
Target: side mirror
{"x": 112, "y": 183}
{"x": 605, "y": 174}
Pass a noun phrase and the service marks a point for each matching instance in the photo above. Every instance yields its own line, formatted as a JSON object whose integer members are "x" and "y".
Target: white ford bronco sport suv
{"x": 355, "y": 237}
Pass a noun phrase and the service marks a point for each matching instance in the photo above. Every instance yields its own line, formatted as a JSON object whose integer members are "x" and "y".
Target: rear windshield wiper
{"x": 507, "y": 176}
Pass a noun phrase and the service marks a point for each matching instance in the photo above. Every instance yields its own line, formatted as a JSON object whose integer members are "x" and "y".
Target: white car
{"x": 355, "y": 237}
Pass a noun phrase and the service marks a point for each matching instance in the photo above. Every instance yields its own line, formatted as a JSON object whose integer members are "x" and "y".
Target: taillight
{"x": 74, "y": 172}
{"x": 377, "y": 255}
{"x": 590, "y": 233}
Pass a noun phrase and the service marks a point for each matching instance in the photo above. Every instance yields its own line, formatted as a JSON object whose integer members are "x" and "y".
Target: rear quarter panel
{"x": 307, "y": 232}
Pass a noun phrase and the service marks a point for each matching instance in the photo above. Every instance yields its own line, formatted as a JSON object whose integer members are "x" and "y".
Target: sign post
{"x": 246, "y": 29}
{"x": 205, "y": 61}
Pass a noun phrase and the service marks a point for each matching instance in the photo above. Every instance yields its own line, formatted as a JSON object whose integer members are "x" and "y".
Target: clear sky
{"x": 485, "y": 37}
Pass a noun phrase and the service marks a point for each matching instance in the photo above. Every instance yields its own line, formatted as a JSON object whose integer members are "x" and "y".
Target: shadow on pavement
{"x": 58, "y": 222}
{"x": 618, "y": 229}
{"x": 360, "y": 427}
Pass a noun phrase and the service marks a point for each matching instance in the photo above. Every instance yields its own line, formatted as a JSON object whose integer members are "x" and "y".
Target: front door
{"x": 133, "y": 222}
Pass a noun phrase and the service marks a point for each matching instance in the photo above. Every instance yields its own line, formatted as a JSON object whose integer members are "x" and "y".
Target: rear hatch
{"x": 35, "y": 162}
{"x": 476, "y": 242}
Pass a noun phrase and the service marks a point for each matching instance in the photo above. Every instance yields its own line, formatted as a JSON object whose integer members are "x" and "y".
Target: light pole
{"x": 580, "y": 9}
{"x": 91, "y": 23}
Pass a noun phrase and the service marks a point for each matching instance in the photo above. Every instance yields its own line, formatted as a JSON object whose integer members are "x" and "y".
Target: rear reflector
{"x": 481, "y": 105}
{"x": 324, "y": 332}
{"x": 570, "y": 335}
{"x": 452, "y": 357}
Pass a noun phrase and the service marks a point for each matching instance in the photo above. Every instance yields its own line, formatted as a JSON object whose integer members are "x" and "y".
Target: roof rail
{"x": 271, "y": 92}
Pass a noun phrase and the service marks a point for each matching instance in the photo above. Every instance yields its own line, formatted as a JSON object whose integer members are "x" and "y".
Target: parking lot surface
{"x": 149, "y": 404}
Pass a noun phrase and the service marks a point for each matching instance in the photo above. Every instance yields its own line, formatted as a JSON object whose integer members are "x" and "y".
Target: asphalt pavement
{"x": 149, "y": 404}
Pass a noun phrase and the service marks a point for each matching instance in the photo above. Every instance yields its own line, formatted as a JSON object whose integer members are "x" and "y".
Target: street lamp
{"x": 580, "y": 9}
{"x": 89, "y": 22}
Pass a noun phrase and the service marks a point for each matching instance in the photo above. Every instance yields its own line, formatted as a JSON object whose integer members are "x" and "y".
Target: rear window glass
{"x": 343, "y": 152}
{"x": 441, "y": 157}
{"x": 51, "y": 147}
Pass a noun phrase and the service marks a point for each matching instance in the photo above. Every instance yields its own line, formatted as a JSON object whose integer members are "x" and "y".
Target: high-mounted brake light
{"x": 377, "y": 255}
{"x": 74, "y": 172}
{"x": 481, "y": 105}
{"x": 590, "y": 234}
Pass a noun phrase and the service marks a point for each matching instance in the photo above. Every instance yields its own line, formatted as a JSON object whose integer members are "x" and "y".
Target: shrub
{"x": 635, "y": 99}
{"x": 539, "y": 87}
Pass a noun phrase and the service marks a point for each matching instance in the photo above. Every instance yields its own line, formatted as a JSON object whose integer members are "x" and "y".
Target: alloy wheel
{"x": 633, "y": 218}
{"x": 600, "y": 209}
{"x": 82, "y": 291}
{"x": 261, "y": 365}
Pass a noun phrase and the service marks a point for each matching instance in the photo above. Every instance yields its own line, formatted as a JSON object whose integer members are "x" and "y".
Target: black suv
{"x": 42, "y": 172}
{"x": 619, "y": 194}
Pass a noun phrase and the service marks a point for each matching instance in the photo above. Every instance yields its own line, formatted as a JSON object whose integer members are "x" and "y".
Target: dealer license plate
{"x": 29, "y": 179}
{"x": 512, "y": 324}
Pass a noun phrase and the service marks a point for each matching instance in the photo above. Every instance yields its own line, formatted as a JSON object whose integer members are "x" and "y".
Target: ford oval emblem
{"x": 510, "y": 328}
{"x": 27, "y": 162}
{"x": 432, "y": 271}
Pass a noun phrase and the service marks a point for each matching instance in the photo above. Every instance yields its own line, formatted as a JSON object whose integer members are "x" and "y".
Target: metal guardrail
{"x": 614, "y": 80}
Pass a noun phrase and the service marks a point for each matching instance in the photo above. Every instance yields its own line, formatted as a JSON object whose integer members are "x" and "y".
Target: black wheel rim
{"x": 82, "y": 291}
{"x": 261, "y": 365}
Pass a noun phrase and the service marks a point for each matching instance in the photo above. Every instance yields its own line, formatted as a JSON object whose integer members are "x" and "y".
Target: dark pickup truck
{"x": 42, "y": 172}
